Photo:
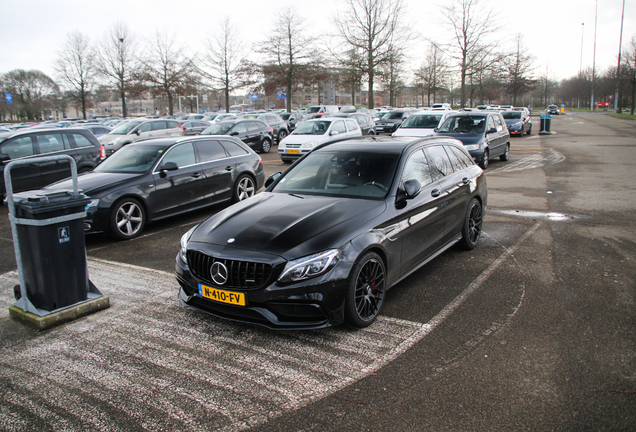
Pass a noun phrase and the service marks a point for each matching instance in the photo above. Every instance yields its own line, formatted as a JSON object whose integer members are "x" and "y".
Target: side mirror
{"x": 412, "y": 188}
{"x": 271, "y": 179}
{"x": 234, "y": 133}
{"x": 137, "y": 132}
{"x": 169, "y": 166}
{"x": 332, "y": 133}
{"x": 435, "y": 130}
{"x": 4, "y": 158}
{"x": 491, "y": 130}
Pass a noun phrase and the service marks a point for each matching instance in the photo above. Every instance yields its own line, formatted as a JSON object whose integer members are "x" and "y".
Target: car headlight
{"x": 310, "y": 144}
{"x": 309, "y": 266}
{"x": 472, "y": 147}
{"x": 113, "y": 142}
{"x": 184, "y": 243}
{"x": 91, "y": 205}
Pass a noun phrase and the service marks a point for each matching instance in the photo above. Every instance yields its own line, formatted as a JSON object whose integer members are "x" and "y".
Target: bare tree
{"x": 519, "y": 67}
{"x": 630, "y": 69}
{"x": 433, "y": 73}
{"x": 75, "y": 66}
{"x": 471, "y": 23}
{"x": 224, "y": 56}
{"x": 391, "y": 76}
{"x": 167, "y": 68}
{"x": 117, "y": 59}
{"x": 375, "y": 28}
{"x": 33, "y": 91}
{"x": 289, "y": 48}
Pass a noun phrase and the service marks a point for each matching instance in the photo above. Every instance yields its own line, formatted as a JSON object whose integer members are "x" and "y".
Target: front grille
{"x": 293, "y": 145}
{"x": 242, "y": 275}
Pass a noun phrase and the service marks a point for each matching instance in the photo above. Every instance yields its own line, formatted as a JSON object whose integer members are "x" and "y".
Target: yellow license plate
{"x": 222, "y": 296}
{"x": 293, "y": 151}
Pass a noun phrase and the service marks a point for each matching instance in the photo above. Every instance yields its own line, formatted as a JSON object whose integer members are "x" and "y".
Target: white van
{"x": 332, "y": 109}
{"x": 441, "y": 106}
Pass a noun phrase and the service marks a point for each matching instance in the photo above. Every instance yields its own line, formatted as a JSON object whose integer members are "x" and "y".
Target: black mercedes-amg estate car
{"x": 327, "y": 238}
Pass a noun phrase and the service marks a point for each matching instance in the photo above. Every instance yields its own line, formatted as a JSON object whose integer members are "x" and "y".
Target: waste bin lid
{"x": 545, "y": 116}
{"x": 39, "y": 201}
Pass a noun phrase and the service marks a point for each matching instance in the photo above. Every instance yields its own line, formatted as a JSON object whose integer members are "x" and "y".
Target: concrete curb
{"x": 71, "y": 313}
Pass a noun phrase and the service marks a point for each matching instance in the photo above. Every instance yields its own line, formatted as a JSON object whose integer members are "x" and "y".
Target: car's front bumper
{"x": 310, "y": 304}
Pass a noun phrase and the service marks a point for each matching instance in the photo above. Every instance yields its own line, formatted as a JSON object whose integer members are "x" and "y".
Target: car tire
{"x": 266, "y": 146}
{"x": 127, "y": 219}
{"x": 471, "y": 231}
{"x": 281, "y": 135}
{"x": 83, "y": 170}
{"x": 530, "y": 130}
{"x": 506, "y": 155}
{"x": 484, "y": 162}
{"x": 365, "y": 294}
{"x": 244, "y": 188}
{"x": 287, "y": 161}
{"x": 371, "y": 132}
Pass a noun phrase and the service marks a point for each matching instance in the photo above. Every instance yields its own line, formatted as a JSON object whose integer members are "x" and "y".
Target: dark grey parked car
{"x": 484, "y": 134}
{"x": 292, "y": 119}
{"x": 254, "y": 133}
{"x": 79, "y": 143}
{"x": 194, "y": 127}
{"x": 157, "y": 178}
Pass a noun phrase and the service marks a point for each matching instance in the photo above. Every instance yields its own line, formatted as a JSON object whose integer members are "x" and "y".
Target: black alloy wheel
{"x": 266, "y": 145}
{"x": 244, "y": 188}
{"x": 127, "y": 219}
{"x": 281, "y": 135}
{"x": 471, "y": 231}
{"x": 506, "y": 155}
{"x": 367, "y": 285}
{"x": 484, "y": 161}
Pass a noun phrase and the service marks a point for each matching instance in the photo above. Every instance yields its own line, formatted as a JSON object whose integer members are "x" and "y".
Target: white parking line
{"x": 149, "y": 363}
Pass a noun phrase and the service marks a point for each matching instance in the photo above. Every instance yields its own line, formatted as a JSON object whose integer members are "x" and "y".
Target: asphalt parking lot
{"x": 532, "y": 330}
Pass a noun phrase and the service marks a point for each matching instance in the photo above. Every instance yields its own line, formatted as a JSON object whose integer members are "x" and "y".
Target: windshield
{"x": 130, "y": 159}
{"x": 312, "y": 128}
{"x": 423, "y": 121}
{"x": 312, "y": 110}
{"x": 220, "y": 128}
{"x": 391, "y": 115}
{"x": 511, "y": 115}
{"x": 125, "y": 128}
{"x": 285, "y": 116}
{"x": 354, "y": 174}
{"x": 464, "y": 124}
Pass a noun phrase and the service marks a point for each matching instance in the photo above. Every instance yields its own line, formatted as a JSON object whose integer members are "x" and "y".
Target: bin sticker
{"x": 63, "y": 234}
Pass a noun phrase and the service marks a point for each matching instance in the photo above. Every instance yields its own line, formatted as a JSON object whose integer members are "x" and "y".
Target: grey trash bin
{"x": 51, "y": 240}
{"x": 545, "y": 123}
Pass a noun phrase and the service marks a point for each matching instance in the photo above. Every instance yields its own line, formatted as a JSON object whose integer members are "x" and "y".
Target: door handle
{"x": 228, "y": 168}
{"x": 435, "y": 192}
{"x": 196, "y": 175}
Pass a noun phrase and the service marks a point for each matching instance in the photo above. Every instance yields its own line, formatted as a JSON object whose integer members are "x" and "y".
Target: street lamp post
{"x": 594, "y": 59}
{"x": 618, "y": 68}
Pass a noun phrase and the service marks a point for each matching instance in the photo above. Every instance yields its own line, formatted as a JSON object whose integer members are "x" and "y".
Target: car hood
{"x": 302, "y": 139}
{"x": 513, "y": 121}
{"x": 93, "y": 183}
{"x": 109, "y": 137}
{"x": 414, "y": 132}
{"x": 290, "y": 226}
{"x": 465, "y": 138}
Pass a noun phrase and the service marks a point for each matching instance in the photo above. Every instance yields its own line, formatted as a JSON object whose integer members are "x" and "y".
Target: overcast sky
{"x": 32, "y": 30}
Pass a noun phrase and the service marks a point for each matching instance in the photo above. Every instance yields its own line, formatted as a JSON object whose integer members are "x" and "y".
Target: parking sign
{"x": 9, "y": 98}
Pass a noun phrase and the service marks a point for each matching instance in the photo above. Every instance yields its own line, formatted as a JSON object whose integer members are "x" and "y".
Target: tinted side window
{"x": 339, "y": 126}
{"x": 81, "y": 140}
{"x": 159, "y": 125}
{"x": 146, "y": 127}
{"x": 417, "y": 168}
{"x": 18, "y": 148}
{"x": 182, "y": 155}
{"x": 239, "y": 127}
{"x": 468, "y": 161}
{"x": 172, "y": 124}
{"x": 208, "y": 151}
{"x": 352, "y": 125}
{"x": 252, "y": 126}
{"x": 498, "y": 123}
{"x": 457, "y": 163}
{"x": 233, "y": 149}
{"x": 490, "y": 124}
{"x": 53, "y": 142}
{"x": 440, "y": 164}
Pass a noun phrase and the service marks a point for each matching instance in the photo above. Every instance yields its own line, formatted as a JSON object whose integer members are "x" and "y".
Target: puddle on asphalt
{"x": 559, "y": 217}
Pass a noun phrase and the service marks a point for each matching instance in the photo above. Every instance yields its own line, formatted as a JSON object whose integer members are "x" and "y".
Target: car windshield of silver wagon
{"x": 464, "y": 124}
{"x": 125, "y": 128}
{"x": 351, "y": 174}
{"x": 132, "y": 159}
